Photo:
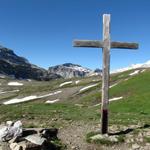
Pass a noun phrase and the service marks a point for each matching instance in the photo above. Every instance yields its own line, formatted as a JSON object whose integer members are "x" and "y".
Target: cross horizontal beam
{"x": 99, "y": 44}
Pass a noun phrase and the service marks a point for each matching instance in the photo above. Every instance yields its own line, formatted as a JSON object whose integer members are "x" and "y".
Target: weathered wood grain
{"x": 88, "y": 43}
{"x": 124, "y": 45}
{"x": 105, "y": 73}
{"x": 99, "y": 44}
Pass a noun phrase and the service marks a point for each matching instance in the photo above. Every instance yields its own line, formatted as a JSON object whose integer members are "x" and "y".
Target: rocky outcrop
{"x": 69, "y": 70}
{"x": 19, "y": 67}
{"x": 14, "y": 137}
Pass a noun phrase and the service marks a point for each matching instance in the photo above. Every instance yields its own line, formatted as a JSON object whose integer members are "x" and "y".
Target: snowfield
{"x": 28, "y": 98}
{"x": 113, "y": 85}
{"x": 3, "y": 92}
{"x": 143, "y": 70}
{"x": 15, "y": 84}
{"x": 88, "y": 87}
{"x": 115, "y": 99}
{"x": 134, "y": 73}
{"x": 52, "y": 101}
{"x": 65, "y": 83}
{"x": 55, "y": 93}
{"x": 20, "y": 100}
{"x": 110, "y": 100}
{"x": 78, "y": 68}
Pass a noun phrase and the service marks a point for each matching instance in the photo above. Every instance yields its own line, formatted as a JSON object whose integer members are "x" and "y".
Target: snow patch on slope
{"x": 15, "y": 84}
{"x": 88, "y": 87}
{"x": 29, "y": 98}
{"x": 111, "y": 99}
{"x": 65, "y": 83}
{"x": 3, "y": 92}
{"x": 134, "y": 73}
{"x": 52, "y": 101}
{"x": 115, "y": 99}
{"x": 113, "y": 85}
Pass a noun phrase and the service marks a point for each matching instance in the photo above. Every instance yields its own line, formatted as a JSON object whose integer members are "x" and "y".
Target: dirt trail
{"x": 74, "y": 137}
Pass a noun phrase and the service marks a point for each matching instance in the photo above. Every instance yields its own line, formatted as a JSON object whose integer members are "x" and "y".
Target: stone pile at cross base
{"x": 14, "y": 137}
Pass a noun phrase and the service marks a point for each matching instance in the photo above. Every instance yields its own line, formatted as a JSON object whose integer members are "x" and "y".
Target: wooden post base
{"x": 104, "y": 123}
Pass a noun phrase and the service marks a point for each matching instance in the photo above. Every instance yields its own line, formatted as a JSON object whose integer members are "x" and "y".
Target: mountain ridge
{"x": 19, "y": 67}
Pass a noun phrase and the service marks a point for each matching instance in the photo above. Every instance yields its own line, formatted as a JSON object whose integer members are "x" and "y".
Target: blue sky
{"x": 43, "y": 30}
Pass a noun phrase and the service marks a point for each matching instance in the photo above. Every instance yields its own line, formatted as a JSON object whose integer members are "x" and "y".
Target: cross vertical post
{"x": 105, "y": 44}
{"x": 105, "y": 73}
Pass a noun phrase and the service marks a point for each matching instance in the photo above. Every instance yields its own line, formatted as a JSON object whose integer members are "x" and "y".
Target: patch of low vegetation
{"x": 97, "y": 138}
{"x": 58, "y": 144}
{"x": 44, "y": 114}
{"x": 91, "y": 134}
{"x": 147, "y": 139}
{"x": 90, "y": 98}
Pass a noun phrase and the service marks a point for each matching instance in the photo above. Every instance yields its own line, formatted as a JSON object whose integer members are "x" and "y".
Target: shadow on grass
{"x": 129, "y": 130}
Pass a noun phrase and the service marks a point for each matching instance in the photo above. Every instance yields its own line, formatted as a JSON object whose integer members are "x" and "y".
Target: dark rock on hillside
{"x": 98, "y": 71}
{"x": 19, "y": 67}
{"x": 69, "y": 70}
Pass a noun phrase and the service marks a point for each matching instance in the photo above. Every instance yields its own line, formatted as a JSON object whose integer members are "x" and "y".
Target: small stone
{"x": 135, "y": 146}
{"x": 140, "y": 135}
{"x": 127, "y": 141}
{"x": 54, "y": 119}
{"x": 49, "y": 133}
{"x": 113, "y": 139}
{"x": 9, "y": 123}
{"x": 36, "y": 139}
{"x": 141, "y": 140}
{"x": 75, "y": 148}
{"x": 15, "y": 146}
{"x": 26, "y": 145}
{"x": 147, "y": 144}
{"x": 96, "y": 137}
{"x": 13, "y": 140}
{"x": 23, "y": 144}
{"x": 132, "y": 140}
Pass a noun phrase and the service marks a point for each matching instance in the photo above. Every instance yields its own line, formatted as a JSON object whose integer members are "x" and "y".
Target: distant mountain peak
{"x": 70, "y": 65}
{"x": 70, "y": 70}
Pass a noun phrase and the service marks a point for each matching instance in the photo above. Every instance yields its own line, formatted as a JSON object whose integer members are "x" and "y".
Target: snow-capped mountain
{"x": 69, "y": 70}
{"x": 19, "y": 67}
{"x": 133, "y": 66}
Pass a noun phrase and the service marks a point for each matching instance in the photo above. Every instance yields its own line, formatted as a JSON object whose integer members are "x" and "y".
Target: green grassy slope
{"x": 132, "y": 109}
{"x": 135, "y": 107}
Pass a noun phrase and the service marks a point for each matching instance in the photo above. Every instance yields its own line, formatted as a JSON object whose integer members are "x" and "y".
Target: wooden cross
{"x": 106, "y": 44}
